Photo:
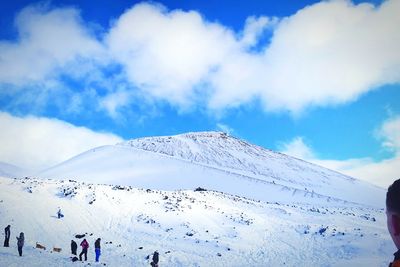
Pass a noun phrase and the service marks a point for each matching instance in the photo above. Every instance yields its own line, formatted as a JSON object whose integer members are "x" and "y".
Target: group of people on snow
{"x": 20, "y": 239}
{"x": 74, "y": 247}
{"x": 85, "y": 245}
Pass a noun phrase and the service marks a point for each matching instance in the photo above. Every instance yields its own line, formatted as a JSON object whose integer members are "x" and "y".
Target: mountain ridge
{"x": 216, "y": 161}
{"x": 223, "y": 135}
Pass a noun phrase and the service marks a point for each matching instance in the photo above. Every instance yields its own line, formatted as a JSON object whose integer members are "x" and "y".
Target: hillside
{"x": 9, "y": 170}
{"x": 188, "y": 228}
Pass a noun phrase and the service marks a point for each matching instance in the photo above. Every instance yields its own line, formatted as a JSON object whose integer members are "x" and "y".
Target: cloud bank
{"x": 37, "y": 143}
{"x": 382, "y": 173}
{"x": 328, "y": 53}
{"x": 49, "y": 41}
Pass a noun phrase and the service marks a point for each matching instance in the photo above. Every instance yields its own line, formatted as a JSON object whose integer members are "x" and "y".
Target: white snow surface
{"x": 188, "y": 228}
{"x": 9, "y": 170}
{"x": 216, "y": 161}
{"x": 261, "y": 208}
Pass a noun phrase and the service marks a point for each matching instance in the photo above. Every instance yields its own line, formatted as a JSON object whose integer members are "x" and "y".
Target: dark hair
{"x": 393, "y": 197}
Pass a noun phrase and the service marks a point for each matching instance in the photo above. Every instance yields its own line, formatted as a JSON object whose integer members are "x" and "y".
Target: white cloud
{"x": 167, "y": 54}
{"x": 48, "y": 40}
{"x": 327, "y": 53}
{"x": 253, "y": 29}
{"x": 297, "y": 148}
{"x": 381, "y": 173}
{"x": 113, "y": 101}
{"x": 38, "y": 143}
{"x": 225, "y": 128}
{"x": 315, "y": 57}
{"x": 390, "y": 132}
{"x": 331, "y": 52}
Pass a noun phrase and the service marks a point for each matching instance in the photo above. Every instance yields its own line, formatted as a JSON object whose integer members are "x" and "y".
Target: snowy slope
{"x": 9, "y": 170}
{"x": 188, "y": 228}
{"x": 215, "y": 161}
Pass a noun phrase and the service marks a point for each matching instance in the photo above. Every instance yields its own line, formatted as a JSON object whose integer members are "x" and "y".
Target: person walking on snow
{"x": 20, "y": 243}
{"x": 85, "y": 246}
{"x": 59, "y": 213}
{"x": 97, "y": 249}
{"x": 7, "y": 236}
{"x": 74, "y": 247}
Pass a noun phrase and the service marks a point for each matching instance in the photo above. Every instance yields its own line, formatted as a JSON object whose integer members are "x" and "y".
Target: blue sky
{"x": 316, "y": 80}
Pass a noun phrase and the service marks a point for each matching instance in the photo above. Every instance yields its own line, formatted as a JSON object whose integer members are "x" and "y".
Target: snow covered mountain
{"x": 216, "y": 161}
{"x": 261, "y": 208}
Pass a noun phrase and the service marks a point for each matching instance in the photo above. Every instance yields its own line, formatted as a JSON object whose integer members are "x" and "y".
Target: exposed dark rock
{"x": 199, "y": 189}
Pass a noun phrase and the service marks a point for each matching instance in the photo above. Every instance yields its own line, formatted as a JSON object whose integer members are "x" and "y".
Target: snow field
{"x": 188, "y": 228}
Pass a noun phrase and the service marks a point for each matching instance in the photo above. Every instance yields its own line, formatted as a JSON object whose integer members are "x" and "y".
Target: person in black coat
{"x": 7, "y": 236}
{"x": 154, "y": 263}
{"x": 74, "y": 247}
{"x": 20, "y": 243}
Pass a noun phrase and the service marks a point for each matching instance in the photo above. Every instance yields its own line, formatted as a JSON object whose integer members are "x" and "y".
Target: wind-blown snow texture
{"x": 262, "y": 208}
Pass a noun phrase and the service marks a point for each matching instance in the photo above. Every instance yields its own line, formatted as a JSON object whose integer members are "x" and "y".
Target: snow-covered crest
{"x": 220, "y": 149}
{"x": 215, "y": 161}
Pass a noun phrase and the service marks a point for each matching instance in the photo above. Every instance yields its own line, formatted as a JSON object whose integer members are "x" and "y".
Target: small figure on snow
{"x": 20, "y": 243}
{"x": 85, "y": 246}
{"x": 97, "y": 249}
{"x": 74, "y": 247}
{"x": 154, "y": 263}
{"x": 7, "y": 236}
{"x": 59, "y": 213}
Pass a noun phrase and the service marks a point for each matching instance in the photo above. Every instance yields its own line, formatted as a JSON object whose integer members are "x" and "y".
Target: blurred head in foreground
{"x": 393, "y": 212}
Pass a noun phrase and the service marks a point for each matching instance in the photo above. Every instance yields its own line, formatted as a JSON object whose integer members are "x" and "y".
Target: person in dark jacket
{"x": 85, "y": 246}
{"x": 97, "y": 249}
{"x": 154, "y": 263}
{"x": 7, "y": 236}
{"x": 20, "y": 243}
{"x": 393, "y": 218}
{"x": 74, "y": 247}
